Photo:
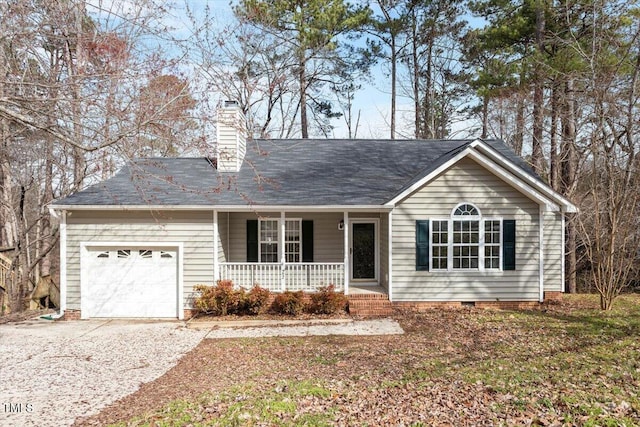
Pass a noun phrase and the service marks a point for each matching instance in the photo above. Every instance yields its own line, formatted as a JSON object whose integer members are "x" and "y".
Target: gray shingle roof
{"x": 283, "y": 172}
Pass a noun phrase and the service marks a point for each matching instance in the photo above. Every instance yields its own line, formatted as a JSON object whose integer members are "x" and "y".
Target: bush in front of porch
{"x": 328, "y": 301}
{"x": 224, "y": 299}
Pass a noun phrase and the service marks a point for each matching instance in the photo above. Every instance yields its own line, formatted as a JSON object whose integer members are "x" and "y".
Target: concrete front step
{"x": 370, "y": 305}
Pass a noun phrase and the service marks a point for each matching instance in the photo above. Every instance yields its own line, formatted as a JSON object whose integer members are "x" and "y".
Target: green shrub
{"x": 288, "y": 302}
{"x": 256, "y": 300}
{"x": 220, "y": 300}
{"x": 327, "y": 301}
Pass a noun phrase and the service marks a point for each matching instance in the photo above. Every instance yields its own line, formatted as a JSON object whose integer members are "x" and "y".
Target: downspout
{"x": 390, "y": 255}
{"x": 562, "y": 260}
{"x": 541, "y": 244}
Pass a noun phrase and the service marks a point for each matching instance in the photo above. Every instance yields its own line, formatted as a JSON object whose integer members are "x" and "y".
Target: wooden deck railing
{"x": 5, "y": 267}
{"x": 279, "y": 277}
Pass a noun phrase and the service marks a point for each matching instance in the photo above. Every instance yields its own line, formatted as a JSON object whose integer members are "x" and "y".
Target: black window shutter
{"x": 252, "y": 240}
{"x": 509, "y": 244}
{"x": 422, "y": 245}
{"x": 307, "y": 241}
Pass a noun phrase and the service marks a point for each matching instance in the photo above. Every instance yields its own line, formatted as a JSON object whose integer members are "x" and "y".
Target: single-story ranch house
{"x": 415, "y": 222}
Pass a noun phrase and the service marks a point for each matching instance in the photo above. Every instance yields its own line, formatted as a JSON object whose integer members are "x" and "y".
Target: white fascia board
{"x": 427, "y": 178}
{"x": 549, "y": 192}
{"x": 227, "y": 208}
{"x": 515, "y": 182}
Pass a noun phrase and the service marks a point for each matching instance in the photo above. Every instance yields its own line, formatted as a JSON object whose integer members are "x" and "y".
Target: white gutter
{"x": 229, "y": 208}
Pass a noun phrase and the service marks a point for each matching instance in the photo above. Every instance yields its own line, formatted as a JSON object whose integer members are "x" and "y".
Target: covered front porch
{"x": 303, "y": 250}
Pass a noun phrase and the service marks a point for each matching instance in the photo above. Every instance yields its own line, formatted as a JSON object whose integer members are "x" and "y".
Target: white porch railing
{"x": 288, "y": 277}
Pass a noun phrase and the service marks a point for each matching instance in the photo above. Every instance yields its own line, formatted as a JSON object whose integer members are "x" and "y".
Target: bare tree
{"x": 70, "y": 75}
{"x": 611, "y": 206}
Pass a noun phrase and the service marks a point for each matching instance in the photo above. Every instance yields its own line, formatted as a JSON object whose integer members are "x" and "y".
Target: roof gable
{"x": 492, "y": 159}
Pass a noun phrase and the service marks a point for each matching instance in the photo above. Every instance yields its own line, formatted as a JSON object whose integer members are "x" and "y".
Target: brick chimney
{"x": 231, "y": 135}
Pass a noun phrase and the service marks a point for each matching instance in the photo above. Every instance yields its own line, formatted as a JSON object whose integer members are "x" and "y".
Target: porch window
{"x": 269, "y": 239}
{"x": 292, "y": 240}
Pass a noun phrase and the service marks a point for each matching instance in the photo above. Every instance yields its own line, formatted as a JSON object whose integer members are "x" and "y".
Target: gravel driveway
{"x": 53, "y": 372}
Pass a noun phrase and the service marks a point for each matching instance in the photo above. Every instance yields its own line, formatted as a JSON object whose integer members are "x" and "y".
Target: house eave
{"x": 229, "y": 208}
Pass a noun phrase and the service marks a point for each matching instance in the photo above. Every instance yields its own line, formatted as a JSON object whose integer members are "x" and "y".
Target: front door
{"x": 363, "y": 251}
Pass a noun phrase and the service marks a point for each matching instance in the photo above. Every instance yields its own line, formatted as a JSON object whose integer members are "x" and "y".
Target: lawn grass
{"x": 569, "y": 364}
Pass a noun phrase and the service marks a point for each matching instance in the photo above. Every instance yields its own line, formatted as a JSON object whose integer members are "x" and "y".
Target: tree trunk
{"x": 302, "y": 81}
{"x": 519, "y": 134}
{"x": 416, "y": 76}
{"x": 394, "y": 59}
{"x": 428, "y": 124}
{"x": 537, "y": 156}
{"x": 553, "y": 139}
{"x": 485, "y": 116}
{"x": 569, "y": 166}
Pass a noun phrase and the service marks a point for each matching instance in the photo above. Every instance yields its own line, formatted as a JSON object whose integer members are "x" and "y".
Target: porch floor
{"x": 367, "y": 290}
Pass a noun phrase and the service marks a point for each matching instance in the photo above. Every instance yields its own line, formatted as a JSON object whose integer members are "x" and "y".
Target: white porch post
{"x": 346, "y": 252}
{"x": 281, "y": 251}
{"x": 216, "y": 241}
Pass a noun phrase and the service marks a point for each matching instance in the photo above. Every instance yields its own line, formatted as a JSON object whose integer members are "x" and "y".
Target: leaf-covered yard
{"x": 568, "y": 364}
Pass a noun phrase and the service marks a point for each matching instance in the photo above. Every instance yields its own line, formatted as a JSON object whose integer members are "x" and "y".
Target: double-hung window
{"x": 269, "y": 238}
{"x": 466, "y": 241}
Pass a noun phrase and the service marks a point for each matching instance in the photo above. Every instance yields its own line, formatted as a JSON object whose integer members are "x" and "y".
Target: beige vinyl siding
{"x": 384, "y": 250}
{"x": 469, "y": 182}
{"x": 553, "y": 251}
{"x": 223, "y": 232}
{"x": 328, "y": 243}
{"x": 193, "y": 229}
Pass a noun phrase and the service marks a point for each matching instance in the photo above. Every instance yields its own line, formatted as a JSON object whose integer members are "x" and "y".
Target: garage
{"x": 130, "y": 282}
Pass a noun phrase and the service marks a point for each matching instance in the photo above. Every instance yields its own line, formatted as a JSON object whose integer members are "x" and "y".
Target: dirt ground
{"x": 451, "y": 367}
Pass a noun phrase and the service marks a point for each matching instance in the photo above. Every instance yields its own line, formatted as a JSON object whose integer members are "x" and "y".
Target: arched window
{"x": 466, "y": 209}
{"x": 466, "y": 236}
{"x": 466, "y": 240}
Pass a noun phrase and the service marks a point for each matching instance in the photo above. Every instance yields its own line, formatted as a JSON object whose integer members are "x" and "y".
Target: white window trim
{"x": 481, "y": 240}
{"x": 277, "y": 241}
{"x": 449, "y": 247}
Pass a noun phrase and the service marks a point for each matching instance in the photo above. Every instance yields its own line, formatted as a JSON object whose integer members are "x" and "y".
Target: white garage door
{"x": 132, "y": 282}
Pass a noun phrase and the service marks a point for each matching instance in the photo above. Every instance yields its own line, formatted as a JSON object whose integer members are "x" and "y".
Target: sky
{"x": 371, "y": 102}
